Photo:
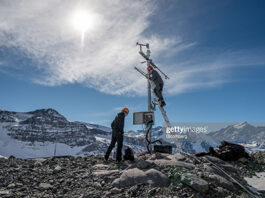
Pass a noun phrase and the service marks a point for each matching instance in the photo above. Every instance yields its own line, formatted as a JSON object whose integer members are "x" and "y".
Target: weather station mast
{"x": 147, "y": 117}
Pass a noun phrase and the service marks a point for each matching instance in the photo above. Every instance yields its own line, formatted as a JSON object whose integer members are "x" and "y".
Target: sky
{"x": 213, "y": 52}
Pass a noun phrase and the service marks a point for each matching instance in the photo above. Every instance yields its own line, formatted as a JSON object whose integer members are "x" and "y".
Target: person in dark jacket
{"x": 117, "y": 126}
{"x": 159, "y": 84}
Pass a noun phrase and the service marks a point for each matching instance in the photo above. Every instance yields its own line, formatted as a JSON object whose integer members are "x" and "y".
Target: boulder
{"x": 195, "y": 182}
{"x": 115, "y": 190}
{"x": 214, "y": 159}
{"x": 4, "y": 192}
{"x": 228, "y": 167}
{"x": 221, "y": 181}
{"x": 100, "y": 166}
{"x": 136, "y": 176}
{"x": 213, "y": 170}
{"x": 105, "y": 172}
{"x": 11, "y": 185}
{"x": 142, "y": 164}
{"x": 179, "y": 157}
{"x": 45, "y": 186}
{"x": 97, "y": 184}
{"x": 164, "y": 163}
{"x": 159, "y": 156}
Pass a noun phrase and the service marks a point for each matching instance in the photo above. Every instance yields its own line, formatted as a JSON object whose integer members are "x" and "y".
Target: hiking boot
{"x": 117, "y": 161}
{"x": 105, "y": 160}
{"x": 163, "y": 104}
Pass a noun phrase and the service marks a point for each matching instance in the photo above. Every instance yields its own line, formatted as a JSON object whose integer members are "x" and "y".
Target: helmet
{"x": 149, "y": 68}
{"x": 125, "y": 109}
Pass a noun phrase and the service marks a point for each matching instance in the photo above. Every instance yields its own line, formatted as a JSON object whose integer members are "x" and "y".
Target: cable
{"x": 223, "y": 171}
{"x": 148, "y": 130}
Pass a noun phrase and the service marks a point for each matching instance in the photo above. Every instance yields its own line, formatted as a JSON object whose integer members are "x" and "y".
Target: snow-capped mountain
{"x": 39, "y": 133}
{"x": 253, "y": 138}
{"x": 47, "y": 125}
{"x": 36, "y": 133}
{"x": 240, "y": 132}
{"x": 45, "y": 132}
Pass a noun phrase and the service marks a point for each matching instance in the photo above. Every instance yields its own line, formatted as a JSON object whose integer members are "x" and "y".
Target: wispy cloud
{"x": 208, "y": 70}
{"x": 43, "y": 32}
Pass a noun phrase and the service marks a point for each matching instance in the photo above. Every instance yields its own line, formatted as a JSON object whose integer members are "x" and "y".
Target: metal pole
{"x": 149, "y": 107}
{"x": 56, "y": 141}
{"x": 148, "y": 62}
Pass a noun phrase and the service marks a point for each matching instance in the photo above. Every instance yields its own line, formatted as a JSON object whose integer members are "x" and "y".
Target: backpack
{"x": 129, "y": 155}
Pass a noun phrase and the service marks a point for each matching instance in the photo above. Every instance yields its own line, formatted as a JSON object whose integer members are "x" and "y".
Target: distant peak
{"x": 46, "y": 112}
{"x": 240, "y": 125}
{"x": 49, "y": 111}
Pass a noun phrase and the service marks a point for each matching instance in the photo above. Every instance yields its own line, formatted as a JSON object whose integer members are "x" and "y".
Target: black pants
{"x": 158, "y": 92}
{"x": 116, "y": 137}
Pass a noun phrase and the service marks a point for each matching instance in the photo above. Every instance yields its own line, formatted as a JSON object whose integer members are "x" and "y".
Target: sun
{"x": 83, "y": 21}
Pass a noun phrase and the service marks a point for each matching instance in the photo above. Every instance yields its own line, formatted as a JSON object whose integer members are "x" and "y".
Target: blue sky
{"x": 213, "y": 52}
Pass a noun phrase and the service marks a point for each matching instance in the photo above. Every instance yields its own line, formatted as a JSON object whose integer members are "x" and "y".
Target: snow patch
{"x": 257, "y": 181}
{"x": 240, "y": 125}
{"x": 19, "y": 149}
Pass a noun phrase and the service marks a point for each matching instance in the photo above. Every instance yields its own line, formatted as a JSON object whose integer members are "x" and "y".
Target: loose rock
{"x": 195, "y": 182}
{"x": 45, "y": 186}
{"x": 136, "y": 176}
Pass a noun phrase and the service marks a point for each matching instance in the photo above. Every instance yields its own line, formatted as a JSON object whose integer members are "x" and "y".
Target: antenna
{"x": 147, "y": 55}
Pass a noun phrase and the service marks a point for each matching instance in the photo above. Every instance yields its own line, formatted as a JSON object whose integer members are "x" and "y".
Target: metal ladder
{"x": 164, "y": 114}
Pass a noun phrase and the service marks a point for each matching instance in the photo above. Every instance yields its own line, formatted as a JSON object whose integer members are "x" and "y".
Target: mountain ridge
{"x": 37, "y": 133}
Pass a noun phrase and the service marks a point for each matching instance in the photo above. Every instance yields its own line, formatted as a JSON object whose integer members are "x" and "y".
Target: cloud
{"x": 42, "y": 31}
{"x": 210, "y": 69}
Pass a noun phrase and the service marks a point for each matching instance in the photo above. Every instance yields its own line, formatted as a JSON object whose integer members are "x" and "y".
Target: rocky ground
{"x": 157, "y": 175}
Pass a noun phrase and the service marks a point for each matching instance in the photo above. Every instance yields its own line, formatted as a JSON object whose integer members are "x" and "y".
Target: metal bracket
{"x": 146, "y": 57}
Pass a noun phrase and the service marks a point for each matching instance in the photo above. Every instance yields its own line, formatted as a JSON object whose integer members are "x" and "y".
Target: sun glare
{"x": 83, "y": 21}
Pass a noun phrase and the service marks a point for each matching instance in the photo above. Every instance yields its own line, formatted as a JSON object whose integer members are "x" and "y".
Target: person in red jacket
{"x": 117, "y": 126}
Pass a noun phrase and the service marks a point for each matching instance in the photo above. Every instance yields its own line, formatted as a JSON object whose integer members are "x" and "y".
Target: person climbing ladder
{"x": 158, "y": 83}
